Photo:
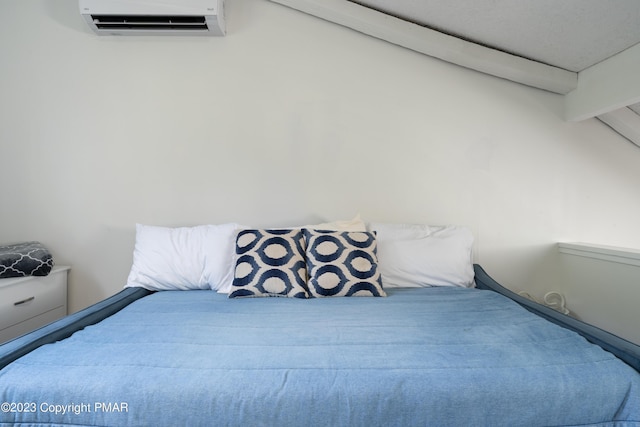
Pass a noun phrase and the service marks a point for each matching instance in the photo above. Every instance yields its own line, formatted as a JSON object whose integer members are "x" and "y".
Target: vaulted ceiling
{"x": 586, "y": 50}
{"x": 569, "y": 34}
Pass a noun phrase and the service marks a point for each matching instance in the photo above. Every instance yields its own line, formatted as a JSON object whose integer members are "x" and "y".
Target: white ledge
{"x": 602, "y": 252}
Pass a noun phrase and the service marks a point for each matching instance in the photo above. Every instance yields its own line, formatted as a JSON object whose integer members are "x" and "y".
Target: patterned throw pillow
{"x": 342, "y": 264}
{"x": 270, "y": 263}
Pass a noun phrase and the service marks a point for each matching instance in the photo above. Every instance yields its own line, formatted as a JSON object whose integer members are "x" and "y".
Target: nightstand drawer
{"x": 31, "y": 324}
{"x": 32, "y": 301}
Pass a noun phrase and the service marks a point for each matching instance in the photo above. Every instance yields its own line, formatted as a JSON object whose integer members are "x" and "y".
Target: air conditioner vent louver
{"x": 149, "y": 22}
{"x": 154, "y": 17}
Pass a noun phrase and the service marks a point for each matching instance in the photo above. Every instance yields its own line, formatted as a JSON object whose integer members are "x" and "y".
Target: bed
{"x": 471, "y": 353}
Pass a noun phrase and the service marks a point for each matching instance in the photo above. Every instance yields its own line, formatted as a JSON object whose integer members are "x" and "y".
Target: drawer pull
{"x": 24, "y": 301}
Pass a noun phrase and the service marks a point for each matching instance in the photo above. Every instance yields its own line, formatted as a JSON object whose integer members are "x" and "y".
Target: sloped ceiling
{"x": 586, "y": 50}
{"x": 570, "y": 34}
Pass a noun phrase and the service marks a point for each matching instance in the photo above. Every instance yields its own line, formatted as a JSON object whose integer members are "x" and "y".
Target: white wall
{"x": 289, "y": 119}
{"x": 595, "y": 279}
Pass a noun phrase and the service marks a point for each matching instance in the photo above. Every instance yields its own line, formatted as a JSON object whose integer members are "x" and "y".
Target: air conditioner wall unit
{"x": 154, "y": 17}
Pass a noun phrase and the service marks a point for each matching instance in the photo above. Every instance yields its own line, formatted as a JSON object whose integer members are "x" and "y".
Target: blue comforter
{"x": 435, "y": 356}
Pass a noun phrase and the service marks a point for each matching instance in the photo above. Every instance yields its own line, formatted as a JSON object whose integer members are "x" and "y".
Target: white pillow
{"x": 355, "y": 224}
{"x": 182, "y": 258}
{"x": 417, "y": 255}
{"x": 219, "y": 252}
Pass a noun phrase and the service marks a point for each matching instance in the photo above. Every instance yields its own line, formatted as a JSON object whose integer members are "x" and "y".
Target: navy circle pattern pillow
{"x": 270, "y": 263}
{"x": 342, "y": 264}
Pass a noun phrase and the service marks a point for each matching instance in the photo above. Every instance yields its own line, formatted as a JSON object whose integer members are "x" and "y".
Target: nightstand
{"x": 27, "y": 303}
